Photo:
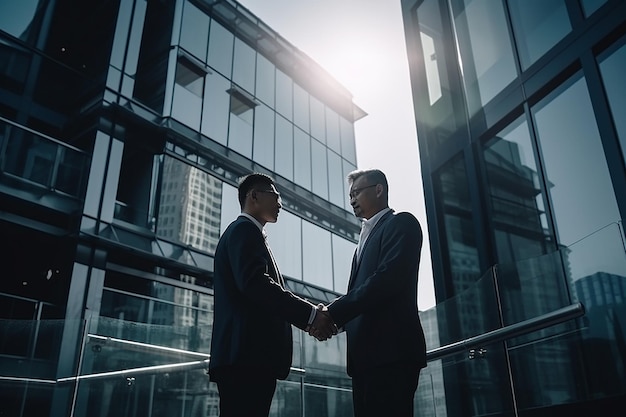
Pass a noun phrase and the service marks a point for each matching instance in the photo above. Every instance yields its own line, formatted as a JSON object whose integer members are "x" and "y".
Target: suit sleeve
{"x": 400, "y": 248}
{"x": 251, "y": 270}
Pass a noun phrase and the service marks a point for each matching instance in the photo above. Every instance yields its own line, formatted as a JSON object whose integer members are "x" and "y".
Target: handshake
{"x": 323, "y": 326}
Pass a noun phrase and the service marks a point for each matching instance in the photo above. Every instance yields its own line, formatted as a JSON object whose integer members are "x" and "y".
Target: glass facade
{"x": 124, "y": 127}
{"x": 517, "y": 105}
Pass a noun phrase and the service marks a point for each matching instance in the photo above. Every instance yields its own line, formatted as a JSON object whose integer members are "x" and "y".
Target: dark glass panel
{"x": 485, "y": 49}
{"x": 613, "y": 68}
{"x": 194, "y": 31}
{"x": 590, "y": 6}
{"x": 576, "y": 172}
{"x": 459, "y": 243}
{"x": 442, "y": 114}
{"x": 22, "y": 19}
{"x": 538, "y": 26}
{"x": 517, "y": 202}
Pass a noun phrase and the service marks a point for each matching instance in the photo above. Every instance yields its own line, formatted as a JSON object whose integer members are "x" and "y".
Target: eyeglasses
{"x": 355, "y": 192}
{"x": 274, "y": 193}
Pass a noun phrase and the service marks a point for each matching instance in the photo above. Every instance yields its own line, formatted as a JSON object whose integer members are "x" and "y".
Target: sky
{"x": 361, "y": 44}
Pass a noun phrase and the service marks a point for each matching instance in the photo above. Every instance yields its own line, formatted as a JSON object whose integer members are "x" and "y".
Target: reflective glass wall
{"x": 235, "y": 95}
{"x": 521, "y": 144}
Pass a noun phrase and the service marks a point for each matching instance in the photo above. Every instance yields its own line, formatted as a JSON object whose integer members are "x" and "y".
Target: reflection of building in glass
{"x": 190, "y": 206}
{"x": 124, "y": 127}
{"x": 512, "y": 101}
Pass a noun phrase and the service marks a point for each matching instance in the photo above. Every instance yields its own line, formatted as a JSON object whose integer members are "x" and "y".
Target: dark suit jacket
{"x": 379, "y": 311}
{"x": 253, "y": 311}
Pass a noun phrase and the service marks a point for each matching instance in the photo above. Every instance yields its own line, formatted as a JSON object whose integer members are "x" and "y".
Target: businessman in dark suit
{"x": 385, "y": 341}
{"x": 251, "y": 345}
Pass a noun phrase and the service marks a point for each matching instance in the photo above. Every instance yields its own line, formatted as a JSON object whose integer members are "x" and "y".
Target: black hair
{"x": 251, "y": 181}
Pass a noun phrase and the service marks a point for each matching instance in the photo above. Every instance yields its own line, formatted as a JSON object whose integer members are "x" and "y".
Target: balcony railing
{"x": 30, "y": 160}
{"x": 539, "y": 333}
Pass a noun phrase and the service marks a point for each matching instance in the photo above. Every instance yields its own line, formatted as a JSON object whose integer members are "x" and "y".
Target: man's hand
{"x": 323, "y": 326}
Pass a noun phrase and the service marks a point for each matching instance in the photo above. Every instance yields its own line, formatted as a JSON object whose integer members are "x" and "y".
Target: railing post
{"x": 507, "y": 357}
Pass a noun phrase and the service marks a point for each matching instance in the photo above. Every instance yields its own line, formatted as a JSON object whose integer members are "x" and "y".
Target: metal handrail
{"x": 498, "y": 335}
{"x": 537, "y": 323}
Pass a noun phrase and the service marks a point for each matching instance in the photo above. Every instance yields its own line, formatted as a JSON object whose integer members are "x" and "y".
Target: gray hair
{"x": 373, "y": 176}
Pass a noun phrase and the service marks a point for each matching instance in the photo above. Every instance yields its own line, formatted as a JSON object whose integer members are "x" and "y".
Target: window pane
{"x": 284, "y": 94}
{"x": 454, "y": 202}
{"x": 347, "y": 168}
{"x": 244, "y": 65}
{"x": 613, "y": 68}
{"x": 318, "y": 120}
{"x": 348, "y": 150}
{"x": 216, "y": 108}
{"x": 187, "y": 101}
{"x": 517, "y": 203}
{"x": 189, "y": 206}
{"x": 220, "y": 49}
{"x": 580, "y": 186}
{"x": 285, "y": 239}
{"x": 283, "y": 162}
{"x": 335, "y": 179}
{"x": 301, "y": 107}
{"x": 265, "y": 80}
{"x": 264, "y": 136}
{"x": 317, "y": 255}
{"x": 240, "y": 132}
{"x": 444, "y": 110}
{"x": 19, "y": 18}
{"x": 318, "y": 161}
{"x": 194, "y": 32}
{"x": 230, "y": 206}
{"x": 485, "y": 49}
{"x": 590, "y": 6}
{"x": 343, "y": 251}
{"x": 538, "y": 26}
{"x": 332, "y": 130}
{"x": 302, "y": 155}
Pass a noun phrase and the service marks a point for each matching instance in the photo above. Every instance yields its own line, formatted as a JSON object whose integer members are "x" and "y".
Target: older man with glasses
{"x": 385, "y": 341}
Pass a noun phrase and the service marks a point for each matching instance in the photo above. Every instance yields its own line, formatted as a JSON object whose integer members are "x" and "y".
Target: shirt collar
{"x": 256, "y": 222}
{"x": 371, "y": 222}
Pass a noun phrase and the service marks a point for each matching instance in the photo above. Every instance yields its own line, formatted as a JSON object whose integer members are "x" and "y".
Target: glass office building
{"x": 520, "y": 107}
{"x": 124, "y": 126}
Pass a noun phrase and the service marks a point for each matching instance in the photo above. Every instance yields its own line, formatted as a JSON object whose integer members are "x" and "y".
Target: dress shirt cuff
{"x": 311, "y": 316}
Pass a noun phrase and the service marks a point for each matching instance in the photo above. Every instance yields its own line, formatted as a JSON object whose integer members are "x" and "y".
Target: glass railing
{"x": 559, "y": 363}
{"x": 28, "y": 159}
{"x": 514, "y": 342}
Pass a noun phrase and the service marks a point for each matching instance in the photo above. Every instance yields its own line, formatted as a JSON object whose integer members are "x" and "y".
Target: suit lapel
{"x": 274, "y": 266}
{"x": 278, "y": 277}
